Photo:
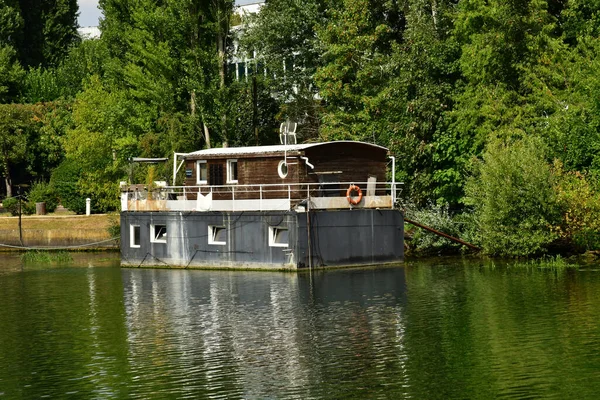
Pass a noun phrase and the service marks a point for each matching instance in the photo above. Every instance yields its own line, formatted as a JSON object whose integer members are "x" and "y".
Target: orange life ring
{"x": 351, "y": 200}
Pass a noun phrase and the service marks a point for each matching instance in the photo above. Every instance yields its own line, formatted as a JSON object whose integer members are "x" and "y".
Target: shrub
{"x": 104, "y": 195}
{"x": 439, "y": 218}
{"x": 11, "y": 204}
{"x": 28, "y": 208}
{"x": 513, "y": 196}
{"x": 114, "y": 226}
{"x": 65, "y": 179}
{"x": 43, "y": 192}
{"x": 580, "y": 206}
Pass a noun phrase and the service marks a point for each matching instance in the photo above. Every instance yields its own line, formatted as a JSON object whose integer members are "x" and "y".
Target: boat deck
{"x": 265, "y": 197}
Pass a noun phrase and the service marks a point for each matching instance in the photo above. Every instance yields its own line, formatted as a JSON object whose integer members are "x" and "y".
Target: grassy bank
{"x": 59, "y": 231}
{"x": 65, "y": 222}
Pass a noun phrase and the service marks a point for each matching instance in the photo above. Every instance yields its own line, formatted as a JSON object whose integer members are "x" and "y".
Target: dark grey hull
{"x": 254, "y": 240}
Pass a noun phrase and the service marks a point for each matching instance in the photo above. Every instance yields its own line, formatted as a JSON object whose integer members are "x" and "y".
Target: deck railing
{"x": 262, "y": 197}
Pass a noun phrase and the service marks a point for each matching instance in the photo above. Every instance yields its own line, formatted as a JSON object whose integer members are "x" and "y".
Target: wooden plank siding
{"x": 254, "y": 171}
{"x": 356, "y": 161}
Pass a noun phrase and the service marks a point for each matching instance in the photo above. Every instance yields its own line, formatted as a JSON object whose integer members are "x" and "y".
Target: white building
{"x": 89, "y": 32}
{"x": 248, "y": 6}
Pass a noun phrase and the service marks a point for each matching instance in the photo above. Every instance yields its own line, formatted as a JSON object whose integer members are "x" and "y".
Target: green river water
{"x": 430, "y": 329}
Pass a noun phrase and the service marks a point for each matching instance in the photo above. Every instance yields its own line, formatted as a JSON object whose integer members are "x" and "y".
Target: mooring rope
{"x": 58, "y": 247}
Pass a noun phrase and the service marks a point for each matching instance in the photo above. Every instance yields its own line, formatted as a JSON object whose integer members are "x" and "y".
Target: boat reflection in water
{"x": 435, "y": 329}
{"x": 264, "y": 334}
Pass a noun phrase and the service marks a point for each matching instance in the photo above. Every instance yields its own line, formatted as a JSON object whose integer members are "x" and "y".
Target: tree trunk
{"x": 194, "y": 39}
{"x": 434, "y": 12}
{"x": 255, "y": 109}
{"x": 206, "y": 135}
{"x": 193, "y": 103}
{"x": 222, "y": 60}
{"x": 193, "y": 106}
{"x": 222, "y": 32}
{"x": 7, "y": 181}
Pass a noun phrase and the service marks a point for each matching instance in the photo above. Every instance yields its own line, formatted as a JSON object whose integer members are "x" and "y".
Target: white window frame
{"x": 212, "y": 230}
{"x": 272, "y": 236}
{"x": 153, "y": 232}
{"x": 198, "y": 180}
{"x": 230, "y": 170}
{"x": 132, "y": 236}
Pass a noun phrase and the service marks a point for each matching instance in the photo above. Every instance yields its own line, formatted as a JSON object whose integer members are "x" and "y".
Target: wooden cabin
{"x": 320, "y": 166}
{"x": 321, "y": 172}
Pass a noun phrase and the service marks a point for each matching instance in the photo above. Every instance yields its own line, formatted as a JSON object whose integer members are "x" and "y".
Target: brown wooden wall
{"x": 356, "y": 161}
{"x": 256, "y": 171}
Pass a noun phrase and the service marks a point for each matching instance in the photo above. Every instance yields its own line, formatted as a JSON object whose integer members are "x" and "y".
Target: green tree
{"x": 15, "y": 121}
{"x": 50, "y": 28}
{"x": 65, "y": 180}
{"x": 11, "y": 74}
{"x": 505, "y": 51}
{"x": 60, "y": 29}
{"x": 579, "y": 201}
{"x": 106, "y": 132}
{"x": 68, "y": 78}
{"x": 282, "y": 40}
{"x": 11, "y": 22}
{"x": 11, "y": 28}
{"x": 171, "y": 57}
{"x": 99, "y": 138}
{"x": 419, "y": 96}
{"x": 45, "y": 144}
{"x": 357, "y": 40}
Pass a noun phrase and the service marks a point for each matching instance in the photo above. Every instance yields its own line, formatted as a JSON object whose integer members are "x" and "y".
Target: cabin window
{"x": 282, "y": 169}
{"x": 134, "y": 236}
{"x": 217, "y": 235}
{"x": 232, "y": 171}
{"x": 158, "y": 233}
{"x": 201, "y": 172}
{"x": 278, "y": 237}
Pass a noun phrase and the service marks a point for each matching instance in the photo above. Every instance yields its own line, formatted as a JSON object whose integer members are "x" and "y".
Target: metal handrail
{"x": 390, "y": 184}
{"x": 292, "y": 192}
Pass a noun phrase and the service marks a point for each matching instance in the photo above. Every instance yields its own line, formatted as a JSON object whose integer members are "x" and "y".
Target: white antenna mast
{"x": 286, "y": 129}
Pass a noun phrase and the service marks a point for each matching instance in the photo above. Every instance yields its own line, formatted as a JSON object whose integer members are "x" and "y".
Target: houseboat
{"x": 281, "y": 207}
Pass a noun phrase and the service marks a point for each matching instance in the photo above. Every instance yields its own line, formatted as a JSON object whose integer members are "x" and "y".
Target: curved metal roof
{"x": 236, "y": 151}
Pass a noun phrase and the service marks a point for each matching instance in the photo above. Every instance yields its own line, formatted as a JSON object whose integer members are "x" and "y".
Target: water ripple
{"x": 424, "y": 331}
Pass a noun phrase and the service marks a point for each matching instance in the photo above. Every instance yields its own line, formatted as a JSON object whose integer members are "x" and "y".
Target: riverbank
{"x": 72, "y": 232}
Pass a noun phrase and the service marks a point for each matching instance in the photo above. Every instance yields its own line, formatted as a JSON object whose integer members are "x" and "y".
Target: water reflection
{"x": 479, "y": 332}
{"x": 255, "y": 335}
{"x": 428, "y": 330}
{"x": 59, "y": 331}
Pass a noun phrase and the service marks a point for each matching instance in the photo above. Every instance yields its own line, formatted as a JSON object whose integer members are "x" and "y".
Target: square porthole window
{"x": 217, "y": 235}
{"x": 278, "y": 237}
{"x": 232, "y": 171}
{"x": 158, "y": 233}
{"x": 134, "y": 236}
{"x": 201, "y": 172}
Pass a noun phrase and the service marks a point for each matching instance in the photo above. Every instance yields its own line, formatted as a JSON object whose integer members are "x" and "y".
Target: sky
{"x": 89, "y": 12}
